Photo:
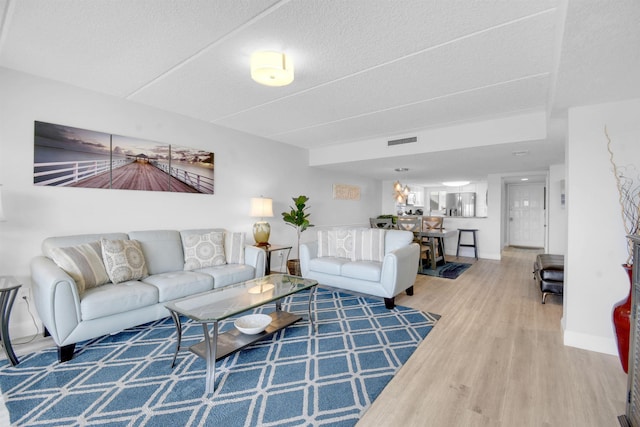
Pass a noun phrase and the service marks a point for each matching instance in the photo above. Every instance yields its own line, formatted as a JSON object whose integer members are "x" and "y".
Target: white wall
{"x": 557, "y": 221}
{"x": 245, "y": 167}
{"x": 596, "y": 248}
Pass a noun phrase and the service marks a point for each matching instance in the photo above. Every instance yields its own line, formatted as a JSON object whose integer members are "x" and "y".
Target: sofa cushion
{"x": 228, "y": 274}
{"x": 368, "y": 244}
{"x": 83, "y": 263}
{"x": 396, "y": 239}
{"x": 162, "y": 249}
{"x": 234, "y": 247}
{"x": 66, "y": 241}
{"x": 203, "y": 250}
{"x": 363, "y": 270}
{"x": 335, "y": 243}
{"x": 110, "y": 299}
{"x": 328, "y": 265}
{"x": 123, "y": 260}
{"x": 178, "y": 284}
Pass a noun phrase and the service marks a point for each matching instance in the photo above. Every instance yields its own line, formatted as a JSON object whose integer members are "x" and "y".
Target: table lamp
{"x": 261, "y": 207}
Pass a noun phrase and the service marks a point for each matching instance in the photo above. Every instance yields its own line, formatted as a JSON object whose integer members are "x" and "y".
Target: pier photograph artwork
{"x": 74, "y": 157}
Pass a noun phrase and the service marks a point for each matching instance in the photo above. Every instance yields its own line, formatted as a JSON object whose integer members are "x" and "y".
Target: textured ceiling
{"x": 364, "y": 68}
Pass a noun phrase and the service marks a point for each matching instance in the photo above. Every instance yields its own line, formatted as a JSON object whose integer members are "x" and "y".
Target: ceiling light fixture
{"x": 400, "y": 193}
{"x": 271, "y": 68}
{"x": 520, "y": 153}
{"x": 455, "y": 183}
{"x": 524, "y": 179}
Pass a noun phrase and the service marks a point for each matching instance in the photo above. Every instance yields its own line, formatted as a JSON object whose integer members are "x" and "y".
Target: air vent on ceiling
{"x": 402, "y": 141}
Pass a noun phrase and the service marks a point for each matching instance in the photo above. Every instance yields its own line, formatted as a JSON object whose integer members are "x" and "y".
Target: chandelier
{"x": 400, "y": 193}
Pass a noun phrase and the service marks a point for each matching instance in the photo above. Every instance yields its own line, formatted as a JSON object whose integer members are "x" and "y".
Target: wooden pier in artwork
{"x": 137, "y": 176}
{"x": 124, "y": 175}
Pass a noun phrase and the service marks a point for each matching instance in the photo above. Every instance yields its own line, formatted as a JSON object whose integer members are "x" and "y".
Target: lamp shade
{"x": 261, "y": 207}
{"x": 271, "y": 68}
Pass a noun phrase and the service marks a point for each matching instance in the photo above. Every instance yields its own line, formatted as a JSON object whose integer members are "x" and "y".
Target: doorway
{"x": 527, "y": 215}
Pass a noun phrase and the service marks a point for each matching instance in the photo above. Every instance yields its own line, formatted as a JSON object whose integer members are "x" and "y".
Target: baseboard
{"x": 591, "y": 342}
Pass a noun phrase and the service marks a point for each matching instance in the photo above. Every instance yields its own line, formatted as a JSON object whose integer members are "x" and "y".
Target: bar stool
{"x": 473, "y": 245}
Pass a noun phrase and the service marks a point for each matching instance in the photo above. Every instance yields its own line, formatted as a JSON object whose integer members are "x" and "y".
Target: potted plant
{"x": 298, "y": 218}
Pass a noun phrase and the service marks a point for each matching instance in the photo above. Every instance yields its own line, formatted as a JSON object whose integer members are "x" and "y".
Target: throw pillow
{"x": 323, "y": 243}
{"x": 203, "y": 250}
{"x": 336, "y": 243}
{"x": 343, "y": 243}
{"x": 83, "y": 263}
{"x": 234, "y": 247}
{"x": 123, "y": 260}
{"x": 368, "y": 245}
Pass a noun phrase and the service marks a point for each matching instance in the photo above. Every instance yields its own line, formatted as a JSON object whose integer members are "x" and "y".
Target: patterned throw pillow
{"x": 203, "y": 250}
{"x": 123, "y": 260}
{"x": 83, "y": 263}
{"x": 336, "y": 243}
{"x": 368, "y": 245}
{"x": 234, "y": 247}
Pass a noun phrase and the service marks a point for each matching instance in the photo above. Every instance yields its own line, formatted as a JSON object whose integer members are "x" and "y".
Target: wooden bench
{"x": 548, "y": 271}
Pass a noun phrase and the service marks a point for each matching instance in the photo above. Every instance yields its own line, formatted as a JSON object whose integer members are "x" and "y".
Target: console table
{"x": 8, "y": 290}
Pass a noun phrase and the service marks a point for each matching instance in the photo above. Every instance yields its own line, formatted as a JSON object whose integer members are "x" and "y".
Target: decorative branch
{"x": 628, "y": 183}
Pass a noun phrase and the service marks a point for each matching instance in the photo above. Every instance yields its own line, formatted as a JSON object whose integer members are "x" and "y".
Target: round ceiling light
{"x": 271, "y": 68}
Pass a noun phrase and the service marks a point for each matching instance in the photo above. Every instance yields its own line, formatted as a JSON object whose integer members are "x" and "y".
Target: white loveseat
{"x": 376, "y": 262}
{"x": 172, "y": 264}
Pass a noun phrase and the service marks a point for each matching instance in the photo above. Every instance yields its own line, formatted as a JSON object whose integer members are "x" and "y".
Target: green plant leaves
{"x": 298, "y": 217}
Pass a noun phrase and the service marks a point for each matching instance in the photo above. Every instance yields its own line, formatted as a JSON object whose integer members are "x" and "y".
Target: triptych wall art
{"x": 73, "y": 157}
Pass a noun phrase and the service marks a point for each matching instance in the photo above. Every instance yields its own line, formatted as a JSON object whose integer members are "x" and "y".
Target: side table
{"x": 8, "y": 290}
{"x": 273, "y": 248}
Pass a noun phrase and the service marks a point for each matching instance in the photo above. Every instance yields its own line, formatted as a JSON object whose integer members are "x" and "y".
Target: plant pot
{"x": 622, "y": 322}
{"x": 293, "y": 265}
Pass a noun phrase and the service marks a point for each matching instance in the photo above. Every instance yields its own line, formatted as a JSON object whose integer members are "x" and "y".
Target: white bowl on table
{"x": 253, "y": 323}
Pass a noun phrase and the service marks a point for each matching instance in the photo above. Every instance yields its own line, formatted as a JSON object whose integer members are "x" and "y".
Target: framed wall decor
{"x": 74, "y": 157}
{"x": 346, "y": 192}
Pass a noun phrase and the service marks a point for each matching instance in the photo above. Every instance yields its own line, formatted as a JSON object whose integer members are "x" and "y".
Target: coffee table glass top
{"x": 219, "y": 304}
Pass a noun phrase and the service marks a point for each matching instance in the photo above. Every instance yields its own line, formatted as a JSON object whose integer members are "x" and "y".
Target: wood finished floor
{"x": 496, "y": 358}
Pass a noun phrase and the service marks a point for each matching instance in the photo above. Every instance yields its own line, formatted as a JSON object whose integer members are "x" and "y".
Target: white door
{"x": 526, "y": 215}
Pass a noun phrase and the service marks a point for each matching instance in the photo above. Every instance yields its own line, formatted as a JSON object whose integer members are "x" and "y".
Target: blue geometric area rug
{"x": 292, "y": 378}
{"x": 450, "y": 270}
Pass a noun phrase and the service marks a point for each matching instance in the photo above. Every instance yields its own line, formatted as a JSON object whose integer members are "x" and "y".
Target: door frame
{"x": 507, "y": 203}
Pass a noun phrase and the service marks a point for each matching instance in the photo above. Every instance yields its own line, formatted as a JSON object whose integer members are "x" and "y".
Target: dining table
{"x": 435, "y": 240}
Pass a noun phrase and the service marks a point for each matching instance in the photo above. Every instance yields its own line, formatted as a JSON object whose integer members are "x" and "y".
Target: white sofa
{"x": 70, "y": 313}
{"x": 376, "y": 262}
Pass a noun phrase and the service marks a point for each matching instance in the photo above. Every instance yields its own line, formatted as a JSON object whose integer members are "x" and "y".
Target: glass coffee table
{"x": 209, "y": 308}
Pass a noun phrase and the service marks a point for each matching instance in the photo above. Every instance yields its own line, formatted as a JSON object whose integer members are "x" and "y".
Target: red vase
{"x": 622, "y": 323}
